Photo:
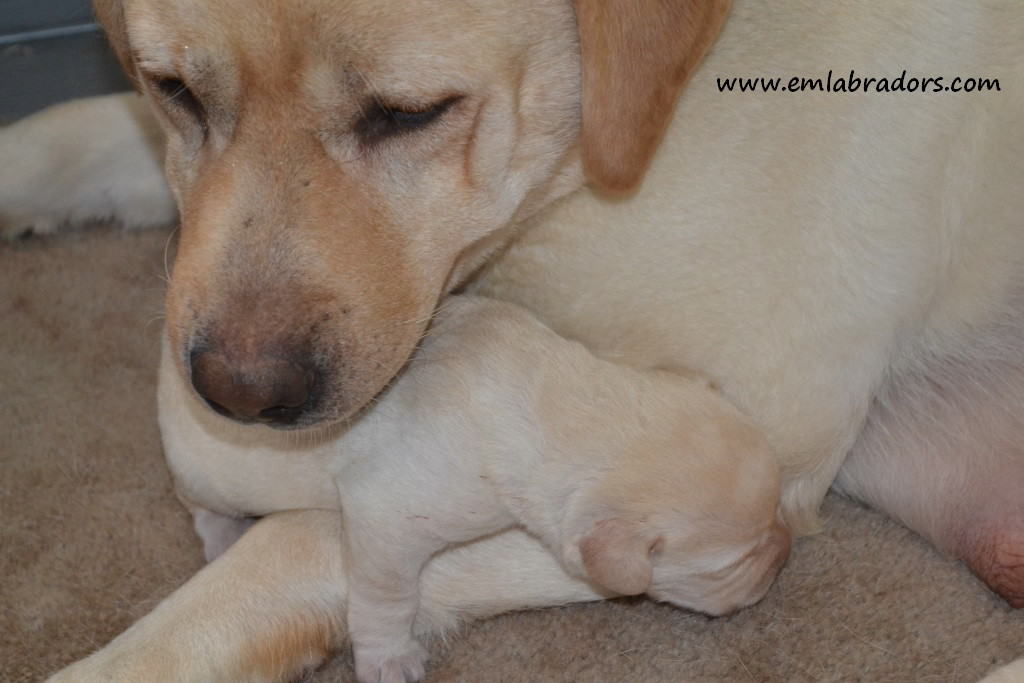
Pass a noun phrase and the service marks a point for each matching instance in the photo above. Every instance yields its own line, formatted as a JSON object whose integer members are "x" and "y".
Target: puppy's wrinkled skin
{"x": 846, "y": 267}
{"x": 679, "y": 499}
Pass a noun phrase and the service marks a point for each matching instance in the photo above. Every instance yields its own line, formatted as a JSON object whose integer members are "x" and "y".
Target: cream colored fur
{"x": 80, "y": 162}
{"x": 678, "y": 499}
{"x": 1011, "y": 673}
{"x": 799, "y": 249}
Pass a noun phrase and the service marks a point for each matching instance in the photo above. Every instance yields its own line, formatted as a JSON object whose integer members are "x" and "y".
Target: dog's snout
{"x": 273, "y": 390}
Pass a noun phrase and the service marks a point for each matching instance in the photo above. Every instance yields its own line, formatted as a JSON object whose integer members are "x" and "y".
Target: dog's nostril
{"x": 282, "y": 414}
{"x": 269, "y": 389}
{"x": 217, "y": 408}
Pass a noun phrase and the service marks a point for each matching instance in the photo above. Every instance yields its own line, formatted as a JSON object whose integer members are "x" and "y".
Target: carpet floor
{"x": 91, "y": 536}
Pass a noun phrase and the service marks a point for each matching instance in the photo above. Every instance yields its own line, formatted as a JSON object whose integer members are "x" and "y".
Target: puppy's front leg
{"x": 384, "y": 561}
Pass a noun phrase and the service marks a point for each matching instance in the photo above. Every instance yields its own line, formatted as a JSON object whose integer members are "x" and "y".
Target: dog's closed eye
{"x": 180, "y": 97}
{"x": 381, "y": 121}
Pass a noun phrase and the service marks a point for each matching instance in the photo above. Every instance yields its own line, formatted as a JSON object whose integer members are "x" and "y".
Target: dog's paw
{"x": 82, "y": 162}
{"x": 403, "y": 664}
{"x": 14, "y": 227}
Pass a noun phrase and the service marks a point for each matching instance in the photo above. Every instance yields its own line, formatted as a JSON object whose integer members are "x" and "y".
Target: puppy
{"x": 678, "y": 499}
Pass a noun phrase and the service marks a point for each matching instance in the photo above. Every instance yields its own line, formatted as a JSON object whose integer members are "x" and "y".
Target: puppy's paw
{"x": 403, "y": 663}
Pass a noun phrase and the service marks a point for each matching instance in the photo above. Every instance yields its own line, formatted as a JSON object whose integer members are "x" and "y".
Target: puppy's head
{"x": 338, "y": 164}
{"x": 693, "y": 522}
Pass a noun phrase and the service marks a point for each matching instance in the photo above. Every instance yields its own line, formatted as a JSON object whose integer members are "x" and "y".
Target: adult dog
{"x": 847, "y": 267}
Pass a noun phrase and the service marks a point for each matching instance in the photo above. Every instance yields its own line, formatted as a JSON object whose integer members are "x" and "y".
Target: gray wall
{"x": 51, "y": 50}
{"x": 32, "y": 15}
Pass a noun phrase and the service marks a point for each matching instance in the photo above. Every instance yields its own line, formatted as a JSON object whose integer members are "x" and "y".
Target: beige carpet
{"x": 91, "y": 536}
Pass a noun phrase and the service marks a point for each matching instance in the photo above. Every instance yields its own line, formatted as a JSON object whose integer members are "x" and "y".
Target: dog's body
{"x": 847, "y": 267}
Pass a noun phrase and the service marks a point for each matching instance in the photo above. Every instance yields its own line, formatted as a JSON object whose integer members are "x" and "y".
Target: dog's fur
{"x": 847, "y": 267}
{"x": 679, "y": 500}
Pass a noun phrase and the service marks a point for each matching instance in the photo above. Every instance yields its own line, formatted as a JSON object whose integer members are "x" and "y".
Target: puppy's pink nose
{"x": 270, "y": 390}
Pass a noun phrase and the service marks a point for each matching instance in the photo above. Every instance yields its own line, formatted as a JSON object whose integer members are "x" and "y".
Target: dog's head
{"x": 339, "y": 164}
{"x": 694, "y": 521}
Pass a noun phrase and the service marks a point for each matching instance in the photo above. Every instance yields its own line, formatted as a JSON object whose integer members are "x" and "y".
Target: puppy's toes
{"x": 401, "y": 665}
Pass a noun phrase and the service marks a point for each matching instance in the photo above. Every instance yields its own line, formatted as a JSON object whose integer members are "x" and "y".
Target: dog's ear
{"x": 110, "y": 14}
{"x": 636, "y": 55}
{"x": 616, "y": 554}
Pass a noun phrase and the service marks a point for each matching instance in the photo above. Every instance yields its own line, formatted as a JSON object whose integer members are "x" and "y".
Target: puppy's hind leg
{"x": 89, "y": 160}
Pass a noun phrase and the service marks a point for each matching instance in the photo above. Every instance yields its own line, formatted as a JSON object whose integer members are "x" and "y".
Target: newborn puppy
{"x": 680, "y": 503}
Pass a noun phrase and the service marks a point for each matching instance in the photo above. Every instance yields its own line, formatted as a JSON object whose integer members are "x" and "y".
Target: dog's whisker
{"x": 167, "y": 247}
{"x": 421, "y": 319}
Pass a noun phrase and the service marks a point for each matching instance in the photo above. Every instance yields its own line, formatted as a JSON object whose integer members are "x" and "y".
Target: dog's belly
{"x": 796, "y": 246}
{"x": 941, "y": 452}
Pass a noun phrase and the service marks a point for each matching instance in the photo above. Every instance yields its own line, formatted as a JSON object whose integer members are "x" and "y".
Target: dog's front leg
{"x": 271, "y": 606}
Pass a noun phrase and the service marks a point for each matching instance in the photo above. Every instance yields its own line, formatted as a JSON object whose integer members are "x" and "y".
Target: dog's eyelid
{"x": 381, "y": 119}
{"x": 423, "y": 106}
{"x": 177, "y": 93}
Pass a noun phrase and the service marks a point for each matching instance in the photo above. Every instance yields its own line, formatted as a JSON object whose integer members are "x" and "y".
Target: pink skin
{"x": 943, "y": 453}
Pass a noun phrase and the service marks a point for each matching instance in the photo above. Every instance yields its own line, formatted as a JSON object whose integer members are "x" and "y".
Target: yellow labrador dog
{"x": 847, "y": 267}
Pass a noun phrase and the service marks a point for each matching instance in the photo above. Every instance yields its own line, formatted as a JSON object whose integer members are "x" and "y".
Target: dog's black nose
{"x": 272, "y": 390}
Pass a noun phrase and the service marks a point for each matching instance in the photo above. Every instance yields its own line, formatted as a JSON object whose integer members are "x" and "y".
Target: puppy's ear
{"x": 110, "y": 14}
{"x": 636, "y": 55}
{"x": 616, "y": 554}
